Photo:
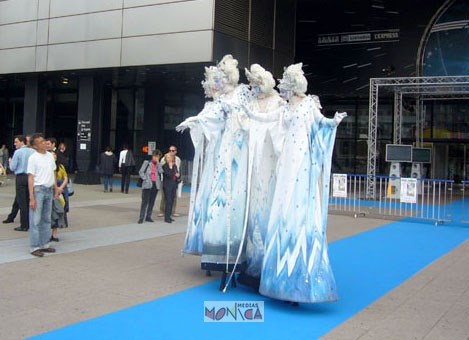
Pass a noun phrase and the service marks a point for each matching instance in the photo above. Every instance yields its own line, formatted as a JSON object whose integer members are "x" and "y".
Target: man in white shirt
{"x": 42, "y": 189}
{"x": 126, "y": 166}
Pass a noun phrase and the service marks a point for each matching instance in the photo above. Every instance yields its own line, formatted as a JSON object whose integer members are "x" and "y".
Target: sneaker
{"x": 140, "y": 221}
{"x": 8, "y": 221}
{"x": 160, "y": 215}
{"x": 21, "y": 229}
{"x": 148, "y": 219}
{"x": 175, "y": 215}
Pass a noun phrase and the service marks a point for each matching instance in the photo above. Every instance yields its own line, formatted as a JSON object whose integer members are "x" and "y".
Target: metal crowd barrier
{"x": 421, "y": 199}
{"x": 434, "y": 200}
{"x": 465, "y": 202}
{"x": 186, "y": 171}
{"x": 354, "y": 200}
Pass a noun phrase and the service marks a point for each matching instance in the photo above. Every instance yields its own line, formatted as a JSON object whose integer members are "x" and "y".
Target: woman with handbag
{"x": 150, "y": 175}
{"x": 59, "y": 205}
{"x": 171, "y": 179}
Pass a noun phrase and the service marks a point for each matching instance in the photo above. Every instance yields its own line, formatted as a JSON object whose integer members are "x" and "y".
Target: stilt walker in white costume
{"x": 265, "y": 143}
{"x": 226, "y": 207}
{"x": 206, "y": 130}
{"x": 296, "y": 264}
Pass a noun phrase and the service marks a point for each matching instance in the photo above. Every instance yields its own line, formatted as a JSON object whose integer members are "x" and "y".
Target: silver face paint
{"x": 255, "y": 90}
{"x": 286, "y": 94}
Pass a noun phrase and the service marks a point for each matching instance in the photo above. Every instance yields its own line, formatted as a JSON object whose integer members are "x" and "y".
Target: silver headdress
{"x": 229, "y": 66}
{"x": 259, "y": 76}
{"x": 293, "y": 79}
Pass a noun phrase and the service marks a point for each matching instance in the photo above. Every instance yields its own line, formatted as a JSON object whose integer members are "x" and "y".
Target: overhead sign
{"x": 363, "y": 37}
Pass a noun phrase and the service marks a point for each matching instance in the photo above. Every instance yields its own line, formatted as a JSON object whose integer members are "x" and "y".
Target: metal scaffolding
{"x": 421, "y": 88}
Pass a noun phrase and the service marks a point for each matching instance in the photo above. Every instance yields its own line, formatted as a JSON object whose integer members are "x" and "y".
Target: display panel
{"x": 421, "y": 155}
{"x": 398, "y": 153}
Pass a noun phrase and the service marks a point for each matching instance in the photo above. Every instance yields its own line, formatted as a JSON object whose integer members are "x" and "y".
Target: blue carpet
{"x": 367, "y": 266}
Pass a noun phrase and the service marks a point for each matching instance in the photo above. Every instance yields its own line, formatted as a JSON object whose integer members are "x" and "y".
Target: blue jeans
{"x": 107, "y": 181}
{"x": 40, "y": 218}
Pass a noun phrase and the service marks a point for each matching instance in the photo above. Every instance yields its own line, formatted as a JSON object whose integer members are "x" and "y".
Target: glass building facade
{"x": 145, "y": 74}
{"x": 126, "y": 71}
{"x": 342, "y": 46}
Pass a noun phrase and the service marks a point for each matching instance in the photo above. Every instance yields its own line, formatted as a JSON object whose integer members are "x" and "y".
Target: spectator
{"x": 64, "y": 155}
{"x": 19, "y": 165}
{"x": 58, "y": 205}
{"x": 107, "y": 165}
{"x": 172, "y": 150}
{"x": 3, "y": 173}
{"x": 150, "y": 174}
{"x": 51, "y": 143}
{"x": 126, "y": 166}
{"x": 4, "y": 155}
{"x": 42, "y": 190}
{"x": 171, "y": 178}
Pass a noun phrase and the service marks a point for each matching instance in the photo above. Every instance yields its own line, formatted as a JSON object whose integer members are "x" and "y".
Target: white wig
{"x": 259, "y": 76}
{"x": 229, "y": 66}
{"x": 293, "y": 79}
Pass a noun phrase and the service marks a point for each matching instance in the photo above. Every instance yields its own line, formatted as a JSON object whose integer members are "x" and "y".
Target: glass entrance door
{"x": 451, "y": 161}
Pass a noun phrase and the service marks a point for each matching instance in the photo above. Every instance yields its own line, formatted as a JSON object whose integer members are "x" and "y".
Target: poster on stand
{"x": 339, "y": 185}
{"x": 151, "y": 147}
{"x": 408, "y": 190}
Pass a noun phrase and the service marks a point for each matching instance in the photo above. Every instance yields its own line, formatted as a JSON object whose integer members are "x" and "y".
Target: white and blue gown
{"x": 206, "y": 136}
{"x": 264, "y": 138}
{"x": 226, "y": 207}
{"x": 296, "y": 264}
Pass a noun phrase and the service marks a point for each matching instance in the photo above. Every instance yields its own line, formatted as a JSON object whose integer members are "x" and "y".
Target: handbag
{"x": 140, "y": 180}
{"x": 70, "y": 188}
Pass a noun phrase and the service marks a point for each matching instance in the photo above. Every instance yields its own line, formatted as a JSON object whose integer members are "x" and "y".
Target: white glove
{"x": 187, "y": 124}
{"x": 339, "y": 116}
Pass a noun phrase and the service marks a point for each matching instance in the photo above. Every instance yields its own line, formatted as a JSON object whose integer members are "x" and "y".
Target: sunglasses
{"x": 172, "y": 150}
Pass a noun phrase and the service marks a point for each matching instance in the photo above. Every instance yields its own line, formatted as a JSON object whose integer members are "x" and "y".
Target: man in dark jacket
{"x": 107, "y": 164}
{"x": 52, "y": 146}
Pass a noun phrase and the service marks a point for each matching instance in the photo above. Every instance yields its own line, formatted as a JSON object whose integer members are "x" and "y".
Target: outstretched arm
{"x": 188, "y": 123}
{"x": 339, "y": 116}
{"x": 333, "y": 122}
{"x": 270, "y": 116}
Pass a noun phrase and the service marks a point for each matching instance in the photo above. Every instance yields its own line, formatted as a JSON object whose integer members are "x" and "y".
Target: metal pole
{"x": 372, "y": 131}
